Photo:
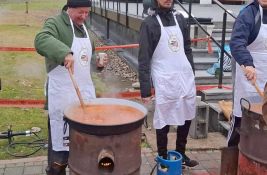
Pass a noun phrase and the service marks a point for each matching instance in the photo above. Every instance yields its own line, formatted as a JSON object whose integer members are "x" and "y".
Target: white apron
{"x": 173, "y": 79}
{"x": 258, "y": 51}
{"x": 61, "y": 91}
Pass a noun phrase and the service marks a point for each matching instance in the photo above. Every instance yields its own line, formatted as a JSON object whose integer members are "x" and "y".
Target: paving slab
{"x": 32, "y": 170}
{"x": 13, "y": 170}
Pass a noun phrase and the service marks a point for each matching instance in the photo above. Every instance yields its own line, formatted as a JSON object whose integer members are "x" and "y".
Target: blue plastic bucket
{"x": 170, "y": 166}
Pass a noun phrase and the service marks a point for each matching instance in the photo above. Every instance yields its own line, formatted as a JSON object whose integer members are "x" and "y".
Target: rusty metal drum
{"x": 248, "y": 166}
{"x": 253, "y": 133}
{"x": 105, "y": 137}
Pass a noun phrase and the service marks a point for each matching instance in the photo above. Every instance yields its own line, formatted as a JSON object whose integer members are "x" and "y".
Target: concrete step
{"x": 224, "y": 127}
{"x": 215, "y": 115}
{"x": 203, "y": 63}
{"x": 219, "y": 24}
{"x": 203, "y": 77}
{"x": 219, "y": 35}
{"x": 219, "y": 30}
{"x": 219, "y": 39}
{"x": 217, "y": 121}
{"x": 215, "y": 94}
{"x": 197, "y": 52}
{"x": 225, "y": 124}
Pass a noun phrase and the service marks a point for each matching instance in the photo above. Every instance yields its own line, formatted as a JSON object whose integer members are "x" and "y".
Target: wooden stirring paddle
{"x": 254, "y": 84}
{"x": 258, "y": 90}
{"x": 76, "y": 88}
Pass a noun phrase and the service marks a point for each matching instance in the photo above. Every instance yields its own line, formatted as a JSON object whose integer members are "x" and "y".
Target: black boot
{"x": 56, "y": 169}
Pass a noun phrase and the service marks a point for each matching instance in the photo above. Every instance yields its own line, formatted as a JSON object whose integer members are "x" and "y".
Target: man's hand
{"x": 69, "y": 62}
{"x": 250, "y": 73}
{"x": 147, "y": 99}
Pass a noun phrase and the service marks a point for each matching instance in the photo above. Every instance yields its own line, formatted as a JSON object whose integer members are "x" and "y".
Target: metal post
{"x": 127, "y": 19}
{"x": 118, "y": 15}
{"x": 27, "y": 6}
{"x": 107, "y": 28}
{"x": 137, "y": 5}
{"x": 101, "y": 7}
{"x": 106, "y": 8}
{"x": 117, "y": 6}
{"x": 93, "y": 5}
{"x": 113, "y": 4}
{"x": 222, "y": 49}
{"x": 190, "y": 16}
{"x": 91, "y": 18}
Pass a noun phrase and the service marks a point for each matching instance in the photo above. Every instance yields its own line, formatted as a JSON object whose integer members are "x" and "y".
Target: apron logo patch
{"x": 83, "y": 58}
{"x": 174, "y": 43}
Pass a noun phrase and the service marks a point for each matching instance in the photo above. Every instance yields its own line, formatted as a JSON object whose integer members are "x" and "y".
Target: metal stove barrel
{"x": 106, "y": 149}
{"x": 253, "y": 137}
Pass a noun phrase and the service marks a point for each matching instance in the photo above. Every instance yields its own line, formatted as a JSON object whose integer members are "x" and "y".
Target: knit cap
{"x": 79, "y": 3}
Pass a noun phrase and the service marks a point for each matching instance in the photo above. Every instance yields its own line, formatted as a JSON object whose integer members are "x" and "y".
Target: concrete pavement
{"x": 209, "y": 164}
{"x": 204, "y": 151}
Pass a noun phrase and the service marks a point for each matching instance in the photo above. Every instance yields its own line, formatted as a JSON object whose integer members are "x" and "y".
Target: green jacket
{"x": 55, "y": 39}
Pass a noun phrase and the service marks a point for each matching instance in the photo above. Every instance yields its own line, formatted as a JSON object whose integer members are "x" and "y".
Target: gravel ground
{"x": 117, "y": 65}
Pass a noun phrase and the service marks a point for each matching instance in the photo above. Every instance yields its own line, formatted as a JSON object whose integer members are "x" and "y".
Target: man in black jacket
{"x": 166, "y": 57}
{"x": 249, "y": 48}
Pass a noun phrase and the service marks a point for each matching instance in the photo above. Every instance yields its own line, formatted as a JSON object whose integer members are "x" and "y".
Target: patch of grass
{"x": 11, "y": 37}
{"x": 22, "y": 120}
{"x": 34, "y": 5}
{"x": 23, "y": 75}
{"x": 145, "y": 145}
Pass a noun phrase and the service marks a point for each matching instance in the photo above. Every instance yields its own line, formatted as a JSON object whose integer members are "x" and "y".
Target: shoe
{"x": 188, "y": 162}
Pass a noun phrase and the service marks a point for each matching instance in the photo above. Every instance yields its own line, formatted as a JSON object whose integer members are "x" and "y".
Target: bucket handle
{"x": 242, "y": 100}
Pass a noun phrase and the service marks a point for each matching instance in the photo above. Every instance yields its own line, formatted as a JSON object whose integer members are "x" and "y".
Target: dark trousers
{"x": 233, "y": 135}
{"x": 181, "y": 138}
{"x": 57, "y": 160}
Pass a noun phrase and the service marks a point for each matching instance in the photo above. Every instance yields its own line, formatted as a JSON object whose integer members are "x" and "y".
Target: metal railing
{"x": 223, "y": 40}
{"x": 117, "y": 3}
{"x": 221, "y": 46}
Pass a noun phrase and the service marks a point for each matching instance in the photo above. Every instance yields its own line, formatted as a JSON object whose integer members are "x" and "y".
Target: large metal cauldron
{"x": 253, "y": 133}
{"x": 108, "y": 143}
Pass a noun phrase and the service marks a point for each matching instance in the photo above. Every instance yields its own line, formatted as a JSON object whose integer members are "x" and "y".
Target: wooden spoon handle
{"x": 258, "y": 90}
{"x": 254, "y": 84}
{"x": 76, "y": 88}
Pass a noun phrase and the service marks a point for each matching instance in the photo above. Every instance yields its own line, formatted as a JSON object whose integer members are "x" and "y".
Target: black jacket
{"x": 149, "y": 37}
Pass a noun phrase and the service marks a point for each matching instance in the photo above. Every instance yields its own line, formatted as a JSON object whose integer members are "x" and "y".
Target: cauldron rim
{"x": 251, "y": 131}
{"x": 246, "y": 102}
{"x": 97, "y": 129}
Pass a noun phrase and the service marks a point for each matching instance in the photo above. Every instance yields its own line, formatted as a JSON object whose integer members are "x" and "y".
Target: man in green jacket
{"x": 66, "y": 46}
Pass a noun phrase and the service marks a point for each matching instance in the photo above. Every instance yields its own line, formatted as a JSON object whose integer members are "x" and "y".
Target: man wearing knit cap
{"x": 66, "y": 46}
